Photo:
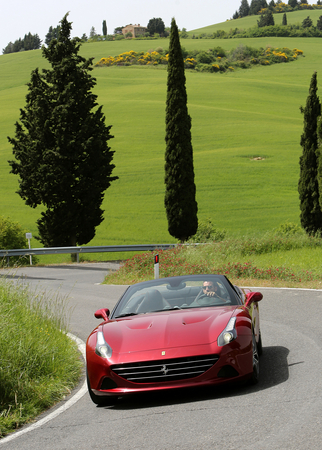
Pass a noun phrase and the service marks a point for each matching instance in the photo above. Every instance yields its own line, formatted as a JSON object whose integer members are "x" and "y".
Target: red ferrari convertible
{"x": 171, "y": 333}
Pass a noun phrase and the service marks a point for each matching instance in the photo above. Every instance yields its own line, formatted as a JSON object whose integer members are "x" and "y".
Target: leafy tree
{"x": 257, "y": 5}
{"x": 118, "y": 30}
{"x": 104, "y": 28}
{"x": 319, "y": 23}
{"x": 293, "y": 3}
{"x": 244, "y": 9}
{"x": 284, "y": 20}
{"x": 184, "y": 34}
{"x": 307, "y": 22}
{"x": 92, "y": 33}
{"x": 53, "y": 33}
{"x": 266, "y": 19}
{"x": 60, "y": 146}
{"x": 156, "y": 26}
{"x": 180, "y": 202}
{"x": 29, "y": 42}
{"x": 311, "y": 214}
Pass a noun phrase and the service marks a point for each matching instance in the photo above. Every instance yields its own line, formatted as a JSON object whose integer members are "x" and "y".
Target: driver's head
{"x": 208, "y": 286}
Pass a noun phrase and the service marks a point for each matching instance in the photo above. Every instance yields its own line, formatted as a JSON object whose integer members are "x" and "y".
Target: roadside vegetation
{"x": 277, "y": 258}
{"x": 39, "y": 364}
{"x": 13, "y": 236}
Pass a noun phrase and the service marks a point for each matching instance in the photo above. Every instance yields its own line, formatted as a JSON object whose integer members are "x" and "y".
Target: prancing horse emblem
{"x": 164, "y": 369}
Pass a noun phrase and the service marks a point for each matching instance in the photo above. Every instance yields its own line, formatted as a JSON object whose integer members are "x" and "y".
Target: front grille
{"x": 166, "y": 369}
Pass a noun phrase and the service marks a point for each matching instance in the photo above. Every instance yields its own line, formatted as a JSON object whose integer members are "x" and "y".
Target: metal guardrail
{"x": 79, "y": 250}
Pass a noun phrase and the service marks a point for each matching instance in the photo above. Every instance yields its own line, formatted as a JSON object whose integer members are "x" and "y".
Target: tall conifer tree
{"x": 311, "y": 214}
{"x": 60, "y": 146}
{"x": 104, "y": 28}
{"x": 180, "y": 196}
{"x": 244, "y": 9}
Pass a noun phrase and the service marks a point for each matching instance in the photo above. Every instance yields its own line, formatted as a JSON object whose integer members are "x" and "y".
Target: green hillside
{"x": 293, "y": 18}
{"x": 236, "y": 117}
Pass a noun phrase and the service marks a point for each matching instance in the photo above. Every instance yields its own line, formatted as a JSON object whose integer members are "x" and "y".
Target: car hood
{"x": 164, "y": 330}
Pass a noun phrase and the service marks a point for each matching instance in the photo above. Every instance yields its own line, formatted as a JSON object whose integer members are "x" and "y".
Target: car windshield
{"x": 176, "y": 293}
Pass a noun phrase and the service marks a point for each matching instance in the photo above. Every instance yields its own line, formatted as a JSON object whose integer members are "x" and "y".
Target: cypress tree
{"x": 60, "y": 146}
{"x": 180, "y": 202}
{"x": 104, "y": 28}
{"x": 311, "y": 214}
{"x": 319, "y": 156}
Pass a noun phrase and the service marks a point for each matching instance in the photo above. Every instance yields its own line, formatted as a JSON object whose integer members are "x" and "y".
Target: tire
{"x": 255, "y": 375}
{"x": 100, "y": 400}
{"x": 260, "y": 345}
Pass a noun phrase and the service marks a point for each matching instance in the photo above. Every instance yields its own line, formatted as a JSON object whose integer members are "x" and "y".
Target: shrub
{"x": 204, "y": 58}
{"x": 214, "y": 60}
{"x": 13, "y": 236}
{"x": 218, "y": 51}
{"x": 307, "y": 22}
{"x": 207, "y": 232}
{"x": 289, "y": 229}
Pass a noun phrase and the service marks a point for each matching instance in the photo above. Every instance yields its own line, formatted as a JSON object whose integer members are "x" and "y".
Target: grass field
{"x": 293, "y": 18}
{"x": 235, "y": 117}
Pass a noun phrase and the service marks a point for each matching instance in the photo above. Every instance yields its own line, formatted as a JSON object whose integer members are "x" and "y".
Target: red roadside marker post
{"x": 156, "y": 266}
{"x": 29, "y": 236}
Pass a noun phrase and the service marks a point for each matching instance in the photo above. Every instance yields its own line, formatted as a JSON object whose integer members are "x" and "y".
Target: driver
{"x": 209, "y": 295}
{"x": 209, "y": 289}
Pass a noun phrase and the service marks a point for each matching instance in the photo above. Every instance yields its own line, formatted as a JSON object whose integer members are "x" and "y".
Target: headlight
{"x": 228, "y": 334}
{"x": 102, "y": 348}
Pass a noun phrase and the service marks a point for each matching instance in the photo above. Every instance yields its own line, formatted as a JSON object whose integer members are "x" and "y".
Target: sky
{"x": 36, "y": 16}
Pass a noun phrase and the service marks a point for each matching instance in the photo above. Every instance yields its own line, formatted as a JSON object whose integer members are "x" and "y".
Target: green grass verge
{"x": 39, "y": 364}
{"x": 273, "y": 259}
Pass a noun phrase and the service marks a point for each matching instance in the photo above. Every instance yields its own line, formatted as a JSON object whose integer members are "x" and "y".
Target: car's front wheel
{"x": 100, "y": 400}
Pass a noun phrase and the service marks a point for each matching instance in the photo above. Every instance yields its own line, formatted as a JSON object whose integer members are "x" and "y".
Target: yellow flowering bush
{"x": 190, "y": 63}
{"x": 282, "y": 7}
{"x": 211, "y": 61}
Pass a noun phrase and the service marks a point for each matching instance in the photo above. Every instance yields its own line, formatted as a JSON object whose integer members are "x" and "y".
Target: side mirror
{"x": 102, "y": 314}
{"x": 252, "y": 297}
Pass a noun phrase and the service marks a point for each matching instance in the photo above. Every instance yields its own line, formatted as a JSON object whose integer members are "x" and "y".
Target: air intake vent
{"x": 165, "y": 370}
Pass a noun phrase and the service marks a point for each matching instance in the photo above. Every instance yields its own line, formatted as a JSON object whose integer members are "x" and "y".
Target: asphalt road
{"x": 284, "y": 411}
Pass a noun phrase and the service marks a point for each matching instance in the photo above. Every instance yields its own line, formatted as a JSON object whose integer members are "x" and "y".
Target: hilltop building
{"x": 136, "y": 30}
